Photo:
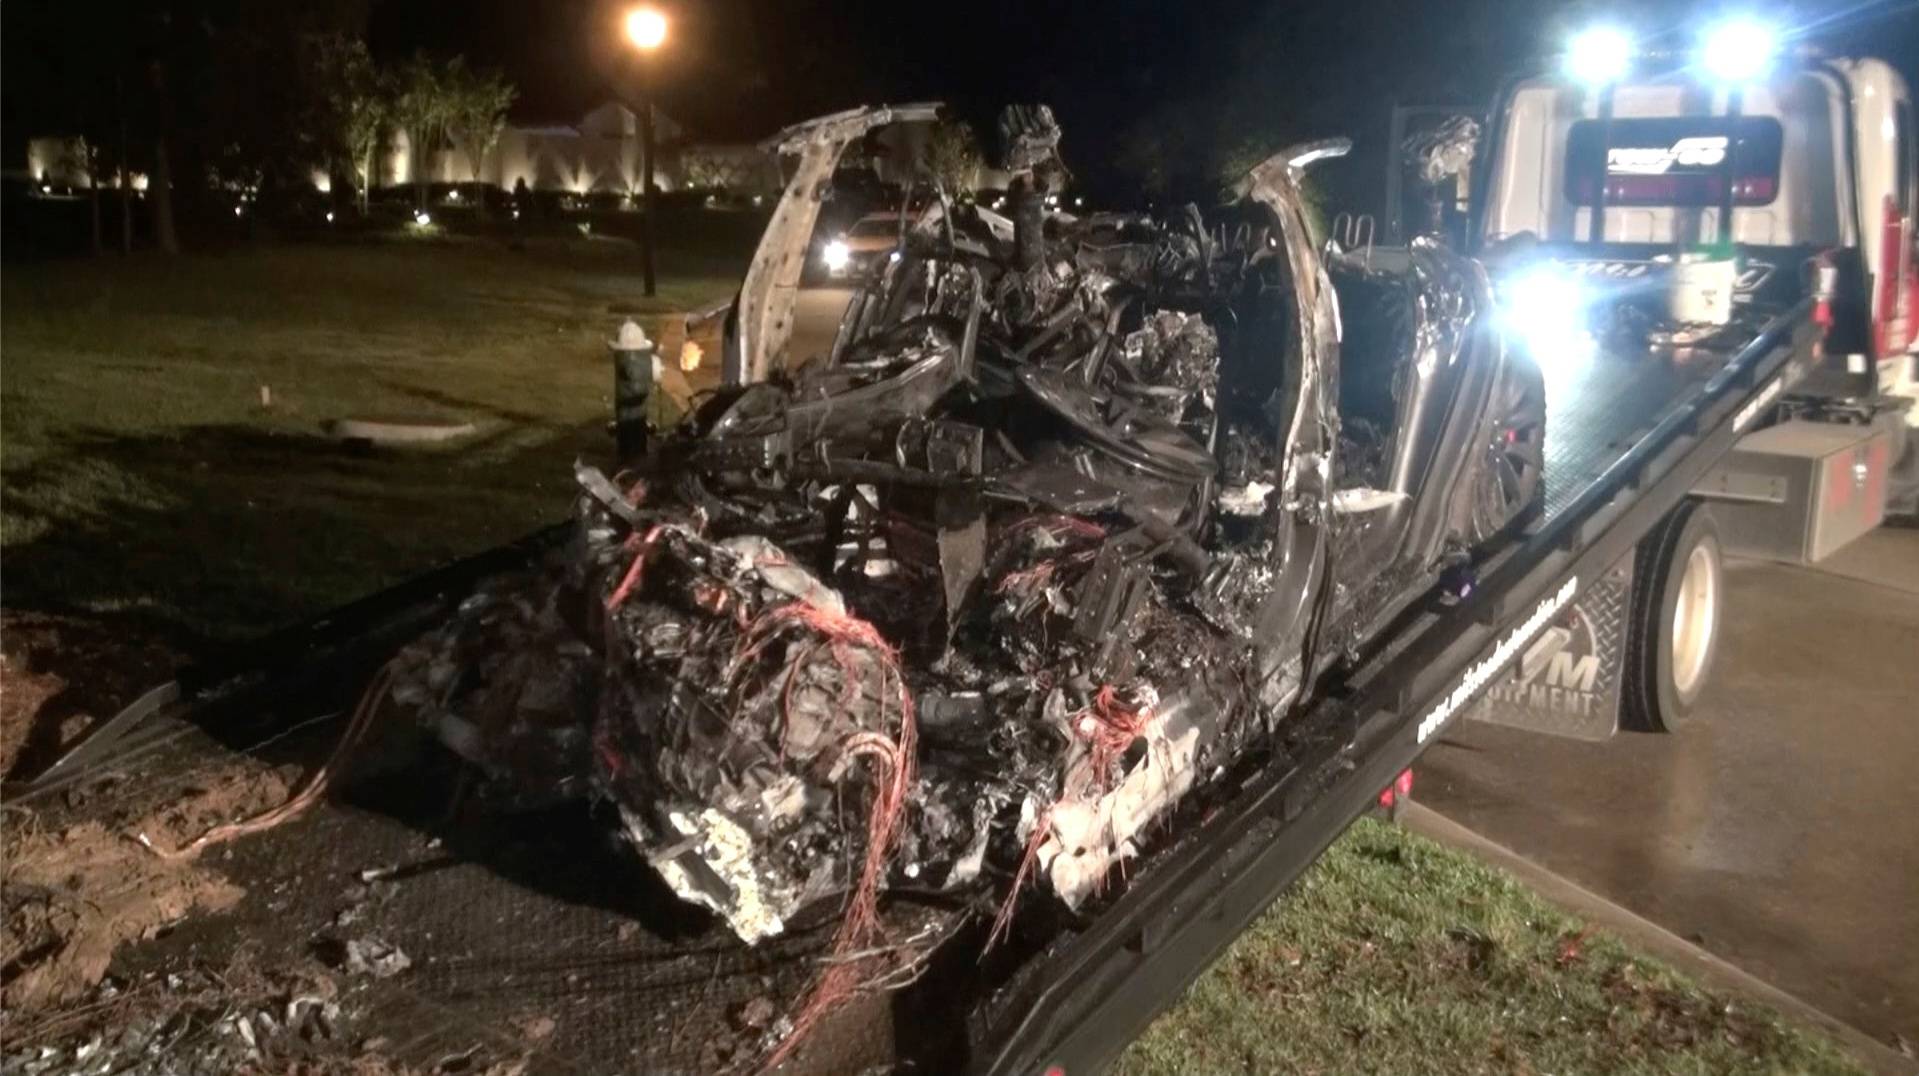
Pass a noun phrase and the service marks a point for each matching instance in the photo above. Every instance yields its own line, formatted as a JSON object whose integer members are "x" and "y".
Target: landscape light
{"x": 646, "y": 28}
{"x": 1739, "y": 50}
{"x": 1599, "y": 55}
{"x": 329, "y": 216}
{"x": 421, "y": 218}
{"x": 239, "y": 210}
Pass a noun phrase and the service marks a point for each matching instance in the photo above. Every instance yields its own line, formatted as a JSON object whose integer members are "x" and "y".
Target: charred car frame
{"x": 1074, "y": 511}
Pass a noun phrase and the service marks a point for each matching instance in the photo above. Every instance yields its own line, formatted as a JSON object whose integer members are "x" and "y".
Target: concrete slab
{"x": 1888, "y": 556}
{"x": 1777, "y": 830}
{"x": 816, "y": 321}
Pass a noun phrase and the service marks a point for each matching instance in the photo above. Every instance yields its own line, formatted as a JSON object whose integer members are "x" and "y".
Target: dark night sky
{"x": 1293, "y": 68}
{"x": 1200, "y": 72}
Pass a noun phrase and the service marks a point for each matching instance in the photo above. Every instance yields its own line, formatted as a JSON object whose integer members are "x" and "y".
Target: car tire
{"x": 1678, "y": 612}
{"x": 1509, "y": 487}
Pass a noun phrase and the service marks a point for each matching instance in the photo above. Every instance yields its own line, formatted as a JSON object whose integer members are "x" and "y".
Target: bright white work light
{"x": 1599, "y": 55}
{"x": 836, "y": 255}
{"x": 1544, "y": 310}
{"x": 1739, "y": 50}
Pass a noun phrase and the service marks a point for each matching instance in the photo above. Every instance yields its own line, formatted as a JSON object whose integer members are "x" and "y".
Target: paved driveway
{"x": 1779, "y": 828}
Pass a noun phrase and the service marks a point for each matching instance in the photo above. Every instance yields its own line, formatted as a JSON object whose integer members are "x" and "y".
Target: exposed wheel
{"x": 1678, "y": 598}
{"x": 1509, "y": 486}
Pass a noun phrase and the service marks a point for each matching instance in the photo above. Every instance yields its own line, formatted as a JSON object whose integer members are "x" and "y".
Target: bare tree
{"x": 952, "y": 157}
{"x": 352, "y": 102}
{"x": 480, "y": 101}
{"x": 422, "y": 108}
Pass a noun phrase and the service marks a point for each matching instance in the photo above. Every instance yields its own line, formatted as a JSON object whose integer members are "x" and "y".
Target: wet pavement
{"x": 1778, "y": 829}
{"x": 816, "y": 320}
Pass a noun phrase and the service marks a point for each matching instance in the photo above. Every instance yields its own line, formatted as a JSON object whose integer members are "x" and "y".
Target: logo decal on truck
{"x": 1503, "y": 653}
{"x": 1751, "y": 411}
{"x": 1697, "y": 151}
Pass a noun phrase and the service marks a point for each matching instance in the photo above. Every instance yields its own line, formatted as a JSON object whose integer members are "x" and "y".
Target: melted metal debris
{"x": 974, "y": 595}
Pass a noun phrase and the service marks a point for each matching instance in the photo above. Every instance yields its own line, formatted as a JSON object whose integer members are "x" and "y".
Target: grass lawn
{"x": 147, "y": 486}
{"x": 1397, "y": 955}
{"x": 147, "y": 478}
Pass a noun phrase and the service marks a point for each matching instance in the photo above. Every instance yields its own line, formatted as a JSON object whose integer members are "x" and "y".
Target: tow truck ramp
{"x": 515, "y": 914}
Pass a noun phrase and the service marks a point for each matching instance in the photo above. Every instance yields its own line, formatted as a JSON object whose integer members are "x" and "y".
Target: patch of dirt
{"x": 73, "y": 897}
{"x": 59, "y": 675}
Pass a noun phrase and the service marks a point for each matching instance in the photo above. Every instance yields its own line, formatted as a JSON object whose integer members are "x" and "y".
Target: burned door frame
{"x": 761, "y": 323}
{"x": 1299, "y": 600}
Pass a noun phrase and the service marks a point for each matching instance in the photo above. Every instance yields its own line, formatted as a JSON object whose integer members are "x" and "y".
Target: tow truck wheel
{"x": 1678, "y": 591}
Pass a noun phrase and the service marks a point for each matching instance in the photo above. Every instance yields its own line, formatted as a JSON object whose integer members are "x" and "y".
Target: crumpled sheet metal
{"x": 769, "y": 292}
{"x": 1444, "y": 151}
{"x": 988, "y": 590}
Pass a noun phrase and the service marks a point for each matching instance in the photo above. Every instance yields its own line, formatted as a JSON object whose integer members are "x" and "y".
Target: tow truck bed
{"x": 539, "y": 914}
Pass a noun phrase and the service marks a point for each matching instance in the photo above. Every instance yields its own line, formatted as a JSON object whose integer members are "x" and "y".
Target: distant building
{"x": 733, "y": 166}
{"x": 599, "y": 153}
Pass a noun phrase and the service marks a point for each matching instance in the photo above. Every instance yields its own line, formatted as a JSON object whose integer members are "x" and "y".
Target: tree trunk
{"x": 93, "y": 196}
{"x": 646, "y": 191}
{"x": 366, "y": 184}
{"x": 161, "y": 190}
{"x": 420, "y": 158}
{"x": 160, "y": 184}
{"x": 126, "y": 191}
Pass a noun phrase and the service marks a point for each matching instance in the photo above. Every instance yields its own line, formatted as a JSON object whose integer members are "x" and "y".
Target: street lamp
{"x": 646, "y": 28}
{"x": 646, "y": 31}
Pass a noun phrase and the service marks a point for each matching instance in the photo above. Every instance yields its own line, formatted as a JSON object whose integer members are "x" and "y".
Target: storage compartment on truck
{"x": 1800, "y": 490}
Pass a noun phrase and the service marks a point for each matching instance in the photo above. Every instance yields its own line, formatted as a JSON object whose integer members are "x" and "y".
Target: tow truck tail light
{"x": 1401, "y": 788}
{"x": 1890, "y": 332}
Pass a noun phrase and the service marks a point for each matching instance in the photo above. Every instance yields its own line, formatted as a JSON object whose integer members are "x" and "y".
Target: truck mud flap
{"x": 1567, "y": 682}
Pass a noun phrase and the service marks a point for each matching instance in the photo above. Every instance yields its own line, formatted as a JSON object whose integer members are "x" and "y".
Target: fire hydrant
{"x": 636, "y": 370}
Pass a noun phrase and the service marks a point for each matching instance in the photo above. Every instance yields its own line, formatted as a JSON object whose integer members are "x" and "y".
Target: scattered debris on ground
{"x": 58, "y": 675}
{"x": 74, "y": 895}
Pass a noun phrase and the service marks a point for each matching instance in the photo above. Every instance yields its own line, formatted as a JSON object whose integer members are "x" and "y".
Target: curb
{"x": 397, "y": 433}
{"x": 1876, "y": 1056}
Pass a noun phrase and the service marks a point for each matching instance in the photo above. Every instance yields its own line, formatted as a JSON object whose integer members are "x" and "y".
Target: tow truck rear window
{"x": 1674, "y": 161}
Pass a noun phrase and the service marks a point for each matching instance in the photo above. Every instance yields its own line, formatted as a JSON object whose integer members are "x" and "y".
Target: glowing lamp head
{"x": 836, "y": 255}
{"x": 1599, "y": 55}
{"x": 646, "y": 28}
{"x": 1739, "y": 50}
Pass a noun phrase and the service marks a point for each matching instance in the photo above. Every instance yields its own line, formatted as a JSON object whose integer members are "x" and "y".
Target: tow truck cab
{"x": 1812, "y": 160}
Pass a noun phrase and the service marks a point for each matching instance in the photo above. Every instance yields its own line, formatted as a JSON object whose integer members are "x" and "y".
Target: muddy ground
{"x": 60, "y": 674}
{"x": 410, "y": 923}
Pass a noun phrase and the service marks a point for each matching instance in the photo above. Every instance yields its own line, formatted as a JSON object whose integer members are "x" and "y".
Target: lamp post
{"x": 646, "y": 32}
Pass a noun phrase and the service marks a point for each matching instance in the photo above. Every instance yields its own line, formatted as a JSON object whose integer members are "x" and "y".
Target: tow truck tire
{"x": 1678, "y": 607}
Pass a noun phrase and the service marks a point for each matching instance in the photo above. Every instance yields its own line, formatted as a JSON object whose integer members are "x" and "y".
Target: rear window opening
{"x": 1680, "y": 161}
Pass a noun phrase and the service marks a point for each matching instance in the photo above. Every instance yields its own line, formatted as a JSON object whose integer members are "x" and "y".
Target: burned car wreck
{"x": 1072, "y": 514}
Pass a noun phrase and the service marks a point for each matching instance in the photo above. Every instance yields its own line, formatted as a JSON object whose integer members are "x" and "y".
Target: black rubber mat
{"x": 1598, "y": 411}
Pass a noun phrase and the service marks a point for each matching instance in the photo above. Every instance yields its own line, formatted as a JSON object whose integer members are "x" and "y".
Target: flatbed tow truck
{"x": 524, "y": 913}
